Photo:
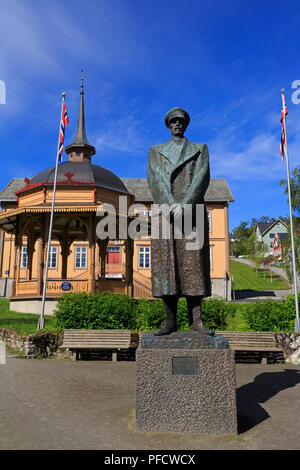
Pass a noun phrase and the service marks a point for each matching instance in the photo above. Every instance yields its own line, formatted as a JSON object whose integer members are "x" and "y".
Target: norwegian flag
{"x": 282, "y": 147}
{"x": 63, "y": 122}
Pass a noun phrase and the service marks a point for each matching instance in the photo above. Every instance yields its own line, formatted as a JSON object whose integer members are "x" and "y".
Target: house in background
{"x": 266, "y": 232}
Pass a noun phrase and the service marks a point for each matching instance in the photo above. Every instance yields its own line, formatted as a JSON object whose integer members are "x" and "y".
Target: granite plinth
{"x": 183, "y": 340}
{"x": 185, "y": 389}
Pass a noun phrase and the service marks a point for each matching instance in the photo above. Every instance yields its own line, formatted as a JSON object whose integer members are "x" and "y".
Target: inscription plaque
{"x": 184, "y": 366}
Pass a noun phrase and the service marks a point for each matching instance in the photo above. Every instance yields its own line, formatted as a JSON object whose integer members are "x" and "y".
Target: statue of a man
{"x": 178, "y": 174}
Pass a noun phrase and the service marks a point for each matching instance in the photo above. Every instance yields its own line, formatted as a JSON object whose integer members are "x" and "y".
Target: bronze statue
{"x": 178, "y": 174}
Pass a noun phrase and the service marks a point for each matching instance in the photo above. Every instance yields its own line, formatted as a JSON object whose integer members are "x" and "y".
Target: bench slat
{"x": 96, "y": 339}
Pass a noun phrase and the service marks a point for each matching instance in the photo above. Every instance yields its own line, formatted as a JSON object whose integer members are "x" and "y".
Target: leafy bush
{"x": 215, "y": 313}
{"x": 94, "y": 311}
{"x": 272, "y": 315}
{"x": 149, "y": 314}
{"x": 112, "y": 311}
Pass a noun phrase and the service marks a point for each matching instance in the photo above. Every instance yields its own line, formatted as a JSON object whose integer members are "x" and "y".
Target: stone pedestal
{"x": 185, "y": 382}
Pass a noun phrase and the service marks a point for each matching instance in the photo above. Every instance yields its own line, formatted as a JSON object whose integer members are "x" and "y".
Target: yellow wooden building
{"x": 78, "y": 259}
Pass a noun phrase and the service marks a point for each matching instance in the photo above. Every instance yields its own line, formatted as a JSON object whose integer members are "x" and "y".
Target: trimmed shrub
{"x": 95, "y": 311}
{"x": 215, "y": 313}
{"x": 149, "y": 314}
{"x": 272, "y": 315}
{"x": 114, "y": 311}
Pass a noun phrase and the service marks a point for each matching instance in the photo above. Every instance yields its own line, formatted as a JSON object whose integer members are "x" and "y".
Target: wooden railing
{"x": 27, "y": 287}
{"x": 54, "y": 286}
{"x": 107, "y": 285}
{"x": 142, "y": 286}
{"x": 115, "y": 269}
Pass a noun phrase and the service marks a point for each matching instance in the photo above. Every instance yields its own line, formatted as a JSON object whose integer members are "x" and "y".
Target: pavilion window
{"x": 24, "y": 257}
{"x": 144, "y": 257}
{"x": 53, "y": 257}
{"x": 146, "y": 213}
{"x": 81, "y": 257}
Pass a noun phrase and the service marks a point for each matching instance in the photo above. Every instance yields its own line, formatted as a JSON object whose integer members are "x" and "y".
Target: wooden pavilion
{"x": 82, "y": 188}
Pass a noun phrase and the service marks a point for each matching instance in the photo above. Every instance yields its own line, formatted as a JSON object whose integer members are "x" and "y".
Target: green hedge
{"x": 112, "y": 311}
{"x": 95, "y": 311}
{"x": 272, "y": 315}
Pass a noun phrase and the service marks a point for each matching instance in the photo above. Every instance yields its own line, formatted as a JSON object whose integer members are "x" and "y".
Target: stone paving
{"x": 55, "y": 404}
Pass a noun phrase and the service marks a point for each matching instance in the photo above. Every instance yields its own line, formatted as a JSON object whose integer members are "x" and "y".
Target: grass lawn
{"x": 23, "y": 323}
{"x": 245, "y": 278}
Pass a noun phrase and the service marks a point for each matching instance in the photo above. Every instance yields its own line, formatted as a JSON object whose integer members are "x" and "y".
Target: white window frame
{"x": 146, "y": 213}
{"x": 53, "y": 254}
{"x": 143, "y": 251}
{"x": 81, "y": 250}
{"x": 24, "y": 257}
{"x": 209, "y": 219}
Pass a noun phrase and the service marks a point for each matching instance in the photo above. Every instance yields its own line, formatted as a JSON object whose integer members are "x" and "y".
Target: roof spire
{"x": 80, "y": 147}
{"x": 81, "y": 86}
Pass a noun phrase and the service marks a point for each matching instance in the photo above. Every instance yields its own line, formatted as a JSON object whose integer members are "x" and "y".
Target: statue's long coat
{"x": 179, "y": 172}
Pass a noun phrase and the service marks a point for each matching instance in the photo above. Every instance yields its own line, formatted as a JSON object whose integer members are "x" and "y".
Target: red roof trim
{"x": 67, "y": 182}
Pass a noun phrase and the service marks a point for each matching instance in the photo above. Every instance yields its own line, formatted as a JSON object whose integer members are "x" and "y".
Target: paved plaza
{"x": 56, "y": 404}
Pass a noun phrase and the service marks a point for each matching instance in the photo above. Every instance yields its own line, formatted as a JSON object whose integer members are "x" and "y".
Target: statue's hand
{"x": 176, "y": 209}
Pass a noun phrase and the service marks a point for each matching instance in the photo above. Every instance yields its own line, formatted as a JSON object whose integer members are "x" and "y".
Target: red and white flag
{"x": 63, "y": 122}
{"x": 276, "y": 246}
{"x": 282, "y": 147}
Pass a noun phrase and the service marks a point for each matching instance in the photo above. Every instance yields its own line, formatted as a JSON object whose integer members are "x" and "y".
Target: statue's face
{"x": 177, "y": 126}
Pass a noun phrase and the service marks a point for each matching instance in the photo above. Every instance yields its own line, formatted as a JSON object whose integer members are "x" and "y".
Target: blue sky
{"x": 224, "y": 61}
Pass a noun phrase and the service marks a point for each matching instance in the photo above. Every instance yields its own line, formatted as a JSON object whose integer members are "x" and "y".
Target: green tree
{"x": 240, "y": 236}
{"x": 295, "y": 189}
{"x": 295, "y": 203}
{"x": 257, "y": 250}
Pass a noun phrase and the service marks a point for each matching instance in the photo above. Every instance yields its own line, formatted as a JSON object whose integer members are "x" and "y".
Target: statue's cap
{"x": 177, "y": 112}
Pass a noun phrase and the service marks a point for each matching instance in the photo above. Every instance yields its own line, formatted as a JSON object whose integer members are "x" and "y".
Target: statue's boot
{"x": 170, "y": 308}
{"x": 195, "y": 318}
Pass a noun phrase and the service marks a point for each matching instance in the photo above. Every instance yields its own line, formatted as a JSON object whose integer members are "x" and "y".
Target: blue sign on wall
{"x": 66, "y": 285}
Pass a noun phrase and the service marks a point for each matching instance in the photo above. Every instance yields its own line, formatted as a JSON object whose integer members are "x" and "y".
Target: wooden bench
{"x": 262, "y": 342}
{"x": 77, "y": 340}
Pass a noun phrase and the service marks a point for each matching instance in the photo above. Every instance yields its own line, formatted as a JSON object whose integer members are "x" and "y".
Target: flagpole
{"x": 41, "y": 321}
{"x": 297, "y": 324}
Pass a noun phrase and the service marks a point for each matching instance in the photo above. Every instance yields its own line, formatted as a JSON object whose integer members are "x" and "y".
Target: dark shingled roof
{"x": 264, "y": 226}
{"x": 8, "y": 194}
{"x": 217, "y": 190}
{"x": 83, "y": 172}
